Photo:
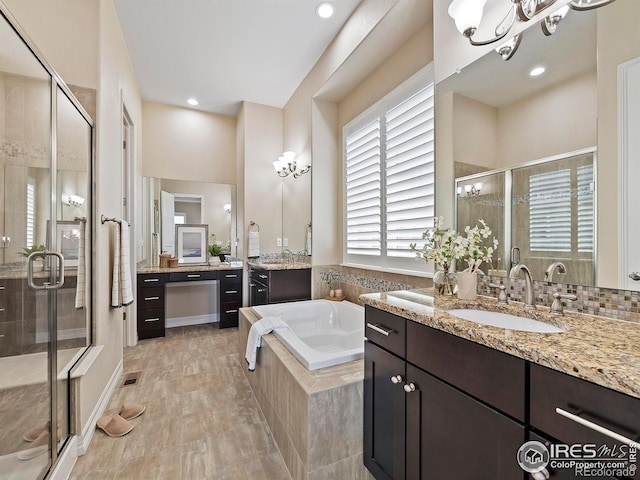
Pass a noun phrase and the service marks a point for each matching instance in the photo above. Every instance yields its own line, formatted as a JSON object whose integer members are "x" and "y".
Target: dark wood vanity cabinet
{"x": 418, "y": 425}
{"x": 278, "y": 286}
{"x": 468, "y": 408}
{"x": 151, "y": 314}
{"x": 230, "y": 297}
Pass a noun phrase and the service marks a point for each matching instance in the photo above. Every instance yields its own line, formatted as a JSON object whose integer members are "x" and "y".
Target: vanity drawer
{"x": 148, "y": 280}
{"x": 229, "y": 314}
{"x": 151, "y": 298}
{"x": 230, "y": 293}
{"x": 9, "y": 344}
{"x": 491, "y": 376}
{"x": 151, "y": 323}
{"x": 550, "y": 389}
{"x": 193, "y": 276}
{"x": 231, "y": 277}
{"x": 385, "y": 330}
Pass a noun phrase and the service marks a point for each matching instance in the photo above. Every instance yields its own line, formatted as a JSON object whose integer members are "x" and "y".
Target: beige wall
{"x": 618, "y": 42}
{"x": 66, "y": 32}
{"x": 187, "y": 144}
{"x": 262, "y": 130}
{"x": 475, "y": 131}
{"x": 557, "y": 120}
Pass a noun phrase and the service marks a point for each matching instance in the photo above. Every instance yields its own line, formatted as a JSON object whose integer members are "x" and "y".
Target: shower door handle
{"x": 43, "y": 254}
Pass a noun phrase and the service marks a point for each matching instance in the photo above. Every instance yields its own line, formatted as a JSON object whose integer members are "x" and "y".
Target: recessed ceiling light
{"x": 192, "y": 101}
{"x": 537, "y": 71}
{"x": 325, "y": 10}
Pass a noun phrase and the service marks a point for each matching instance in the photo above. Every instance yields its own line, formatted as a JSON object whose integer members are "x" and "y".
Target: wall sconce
{"x": 467, "y": 15}
{"x": 72, "y": 200}
{"x": 286, "y": 165}
{"x": 470, "y": 189}
{"x": 227, "y": 208}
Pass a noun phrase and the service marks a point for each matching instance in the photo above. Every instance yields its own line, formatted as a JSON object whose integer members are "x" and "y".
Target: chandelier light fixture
{"x": 467, "y": 15}
{"x": 286, "y": 165}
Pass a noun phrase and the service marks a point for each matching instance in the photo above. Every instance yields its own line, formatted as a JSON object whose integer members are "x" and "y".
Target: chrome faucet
{"x": 289, "y": 255}
{"x": 548, "y": 275}
{"x": 529, "y": 294}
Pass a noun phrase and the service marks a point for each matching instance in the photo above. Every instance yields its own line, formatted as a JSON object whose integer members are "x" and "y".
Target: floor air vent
{"x": 131, "y": 379}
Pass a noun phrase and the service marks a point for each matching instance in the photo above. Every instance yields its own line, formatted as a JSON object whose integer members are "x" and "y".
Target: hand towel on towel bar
{"x": 121, "y": 289}
{"x": 254, "y": 340}
{"x": 254, "y": 245}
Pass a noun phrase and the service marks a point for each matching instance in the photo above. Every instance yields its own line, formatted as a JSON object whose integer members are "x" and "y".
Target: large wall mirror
{"x": 167, "y": 203}
{"x": 528, "y": 146}
{"x": 296, "y": 213}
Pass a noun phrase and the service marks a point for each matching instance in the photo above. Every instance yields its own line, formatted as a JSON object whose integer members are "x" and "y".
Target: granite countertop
{"x": 597, "y": 349}
{"x": 277, "y": 265}
{"x": 191, "y": 268}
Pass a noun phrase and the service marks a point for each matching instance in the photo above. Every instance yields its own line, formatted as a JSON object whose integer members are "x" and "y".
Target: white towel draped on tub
{"x": 121, "y": 289}
{"x": 254, "y": 245}
{"x": 254, "y": 340}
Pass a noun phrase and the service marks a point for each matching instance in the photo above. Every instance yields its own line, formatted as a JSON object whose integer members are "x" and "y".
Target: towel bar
{"x": 104, "y": 219}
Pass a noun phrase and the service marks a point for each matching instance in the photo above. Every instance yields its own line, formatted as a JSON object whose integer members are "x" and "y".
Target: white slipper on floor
{"x": 114, "y": 426}
{"x": 130, "y": 411}
{"x": 34, "y": 432}
{"x": 39, "y": 446}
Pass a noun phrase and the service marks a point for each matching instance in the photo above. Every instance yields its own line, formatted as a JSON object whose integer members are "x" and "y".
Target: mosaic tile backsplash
{"x": 605, "y": 302}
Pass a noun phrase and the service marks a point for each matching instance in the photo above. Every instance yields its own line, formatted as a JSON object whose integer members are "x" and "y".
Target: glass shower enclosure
{"x": 46, "y": 151}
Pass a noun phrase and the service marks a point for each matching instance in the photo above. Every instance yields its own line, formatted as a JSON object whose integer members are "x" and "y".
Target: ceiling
{"x": 567, "y": 53}
{"x": 223, "y": 52}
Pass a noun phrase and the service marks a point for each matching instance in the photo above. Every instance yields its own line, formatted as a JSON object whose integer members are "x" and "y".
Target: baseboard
{"x": 66, "y": 461}
{"x": 193, "y": 320}
{"x": 89, "y": 429}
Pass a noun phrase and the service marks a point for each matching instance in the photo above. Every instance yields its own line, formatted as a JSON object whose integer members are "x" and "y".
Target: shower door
{"x": 45, "y": 260}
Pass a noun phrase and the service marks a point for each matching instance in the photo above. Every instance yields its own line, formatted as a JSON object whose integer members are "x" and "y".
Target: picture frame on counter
{"x": 191, "y": 243}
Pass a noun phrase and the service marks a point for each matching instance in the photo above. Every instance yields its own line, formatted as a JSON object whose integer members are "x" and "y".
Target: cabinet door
{"x": 384, "y": 414}
{"x": 457, "y": 436}
{"x": 258, "y": 294}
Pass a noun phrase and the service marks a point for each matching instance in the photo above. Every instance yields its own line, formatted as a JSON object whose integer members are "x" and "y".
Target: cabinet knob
{"x": 409, "y": 387}
{"x": 396, "y": 379}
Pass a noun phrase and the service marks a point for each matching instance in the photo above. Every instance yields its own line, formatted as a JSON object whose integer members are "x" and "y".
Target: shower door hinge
{"x": 124, "y": 315}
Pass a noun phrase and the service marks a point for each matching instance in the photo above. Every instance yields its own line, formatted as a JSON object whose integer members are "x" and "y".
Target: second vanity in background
{"x": 278, "y": 282}
{"x": 153, "y": 300}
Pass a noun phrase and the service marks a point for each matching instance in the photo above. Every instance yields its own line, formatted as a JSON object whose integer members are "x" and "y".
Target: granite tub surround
{"x": 358, "y": 281}
{"x": 596, "y": 349}
{"x": 315, "y": 417}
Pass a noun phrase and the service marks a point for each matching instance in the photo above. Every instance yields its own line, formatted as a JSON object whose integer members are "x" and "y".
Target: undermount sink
{"x": 504, "y": 320}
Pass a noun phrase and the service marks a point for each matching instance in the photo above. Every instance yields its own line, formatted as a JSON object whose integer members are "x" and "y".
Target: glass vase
{"x": 444, "y": 282}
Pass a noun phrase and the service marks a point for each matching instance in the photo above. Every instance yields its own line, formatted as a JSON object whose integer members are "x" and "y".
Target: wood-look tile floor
{"x": 202, "y": 419}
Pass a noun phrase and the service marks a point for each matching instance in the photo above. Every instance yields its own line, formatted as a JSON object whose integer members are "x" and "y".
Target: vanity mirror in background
{"x": 167, "y": 203}
{"x": 296, "y": 211}
{"x": 523, "y": 136}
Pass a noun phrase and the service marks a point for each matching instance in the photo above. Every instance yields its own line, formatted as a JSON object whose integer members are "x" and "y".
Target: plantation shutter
{"x": 364, "y": 190}
{"x": 31, "y": 210}
{"x": 550, "y": 211}
{"x": 586, "y": 232}
{"x": 409, "y": 172}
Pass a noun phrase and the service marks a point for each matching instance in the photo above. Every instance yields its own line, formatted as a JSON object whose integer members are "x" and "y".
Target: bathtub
{"x": 322, "y": 332}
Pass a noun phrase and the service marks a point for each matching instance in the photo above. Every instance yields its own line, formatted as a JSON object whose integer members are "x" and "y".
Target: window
{"x": 389, "y": 177}
{"x": 553, "y": 196}
{"x": 31, "y": 209}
